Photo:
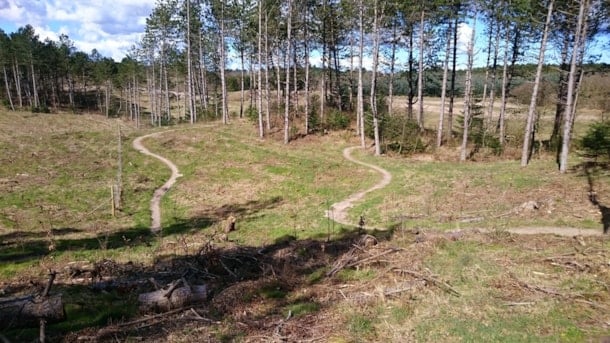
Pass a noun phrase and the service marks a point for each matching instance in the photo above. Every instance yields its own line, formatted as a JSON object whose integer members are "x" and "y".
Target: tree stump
{"x": 230, "y": 224}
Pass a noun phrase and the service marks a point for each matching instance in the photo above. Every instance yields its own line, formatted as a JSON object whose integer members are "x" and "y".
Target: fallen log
{"x": 173, "y": 297}
{"x": 28, "y": 311}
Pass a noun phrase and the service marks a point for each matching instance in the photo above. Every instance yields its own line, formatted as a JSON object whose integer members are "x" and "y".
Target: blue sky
{"x": 112, "y": 27}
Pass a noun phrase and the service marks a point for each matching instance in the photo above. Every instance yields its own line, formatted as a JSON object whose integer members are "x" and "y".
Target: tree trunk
{"x": 259, "y": 102}
{"x": 287, "y": 87}
{"x": 564, "y": 68}
{"x": 17, "y": 83}
{"x": 34, "y": 87}
{"x": 8, "y": 90}
{"x": 441, "y": 119}
{"x": 203, "y": 74}
{"x": 504, "y": 99}
{"x": 392, "y": 68}
{"x": 223, "y": 81}
{"x": 306, "y": 42}
{"x": 189, "y": 65}
{"x": 468, "y": 93}
{"x": 267, "y": 88}
{"x": 107, "y": 98}
{"x": 420, "y": 75}
{"x": 579, "y": 41}
{"x": 351, "y": 77}
{"x": 489, "y": 40}
{"x": 28, "y": 311}
{"x": 242, "y": 93}
{"x": 492, "y": 90}
{"x": 531, "y": 114}
{"x": 376, "y": 39}
{"x": 411, "y": 94}
{"x": 453, "y": 73}
{"x": 360, "y": 99}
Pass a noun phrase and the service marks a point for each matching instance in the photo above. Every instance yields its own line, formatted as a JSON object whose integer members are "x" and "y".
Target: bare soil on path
{"x": 155, "y": 202}
{"x": 339, "y": 210}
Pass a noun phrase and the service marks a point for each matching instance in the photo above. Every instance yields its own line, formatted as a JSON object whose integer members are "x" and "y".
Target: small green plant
{"x": 338, "y": 120}
{"x": 360, "y": 325}
{"x": 252, "y": 114}
{"x": 303, "y": 308}
{"x": 356, "y": 274}
{"x": 596, "y": 142}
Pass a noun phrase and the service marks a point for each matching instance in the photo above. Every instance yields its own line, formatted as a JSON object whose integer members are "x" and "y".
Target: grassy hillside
{"x": 446, "y": 270}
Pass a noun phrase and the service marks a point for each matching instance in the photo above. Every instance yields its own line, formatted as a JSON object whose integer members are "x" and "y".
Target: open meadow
{"x": 463, "y": 252}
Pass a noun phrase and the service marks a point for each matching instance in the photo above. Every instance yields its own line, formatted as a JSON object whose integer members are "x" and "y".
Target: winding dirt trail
{"x": 339, "y": 210}
{"x": 155, "y": 202}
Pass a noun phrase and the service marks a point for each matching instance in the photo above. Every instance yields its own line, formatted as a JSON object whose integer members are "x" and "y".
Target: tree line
{"x": 179, "y": 68}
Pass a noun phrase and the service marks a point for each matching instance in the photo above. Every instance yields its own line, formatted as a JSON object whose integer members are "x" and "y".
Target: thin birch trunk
{"x": 287, "y": 87}
{"x": 531, "y": 114}
{"x": 376, "y": 39}
{"x": 501, "y": 118}
{"x": 441, "y": 119}
{"x": 569, "y": 111}
{"x": 360, "y": 83}
{"x": 259, "y": 103}
{"x": 267, "y": 88}
{"x": 223, "y": 81}
{"x": 8, "y": 90}
{"x": 468, "y": 93}
{"x": 420, "y": 75}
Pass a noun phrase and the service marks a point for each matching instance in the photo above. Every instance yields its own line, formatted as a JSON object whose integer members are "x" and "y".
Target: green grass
{"x": 302, "y": 308}
{"x": 280, "y": 193}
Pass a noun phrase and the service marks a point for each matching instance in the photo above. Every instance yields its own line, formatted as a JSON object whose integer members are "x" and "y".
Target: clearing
{"x": 446, "y": 267}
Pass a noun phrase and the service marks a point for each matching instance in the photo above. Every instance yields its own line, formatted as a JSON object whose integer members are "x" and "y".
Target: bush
{"x": 337, "y": 120}
{"x": 398, "y": 134}
{"x": 252, "y": 114}
{"x": 596, "y": 142}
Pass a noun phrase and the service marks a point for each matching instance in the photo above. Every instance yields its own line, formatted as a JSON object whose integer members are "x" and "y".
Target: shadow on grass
{"x": 239, "y": 279}
{"x": 21, "y": 246}
{"x": 591, "y": 170}
{"x": 212, "y": 216}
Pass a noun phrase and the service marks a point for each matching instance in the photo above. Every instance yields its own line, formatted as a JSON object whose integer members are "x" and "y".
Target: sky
{"x": 113, "y": 27}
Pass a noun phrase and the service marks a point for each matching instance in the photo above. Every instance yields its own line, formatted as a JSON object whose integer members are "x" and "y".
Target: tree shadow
{"x": 591, "y": 169}
{"x": 208, "y": 217}
{"x": 23, "y": 246}
{"x": 238, "y": 277}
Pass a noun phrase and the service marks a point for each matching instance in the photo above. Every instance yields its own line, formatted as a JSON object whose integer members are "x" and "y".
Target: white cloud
{"x": 464, "y": 34}
{"x": 111, "y": 27}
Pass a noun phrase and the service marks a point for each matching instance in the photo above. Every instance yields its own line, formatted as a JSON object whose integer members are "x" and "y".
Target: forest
{"x": 311, "y": 171}
{"x": 179, "y": 69}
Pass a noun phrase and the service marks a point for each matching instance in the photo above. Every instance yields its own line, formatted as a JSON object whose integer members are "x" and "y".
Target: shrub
{"x": 337, "y": 120}
{"x": 398, "y": 134}
{"x": 596, "y": 142}
{"x": 252, "y": 114}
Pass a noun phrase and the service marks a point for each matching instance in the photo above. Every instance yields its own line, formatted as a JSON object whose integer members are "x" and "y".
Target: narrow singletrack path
{"x": 155, "y": 202}
{"x": 339, "y": 211}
